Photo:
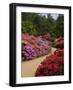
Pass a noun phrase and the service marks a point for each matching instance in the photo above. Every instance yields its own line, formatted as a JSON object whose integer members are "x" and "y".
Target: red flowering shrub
{"x": 59, "y": 52}
{"x": 59, "y": 43}
{"x": 52, "y": 65}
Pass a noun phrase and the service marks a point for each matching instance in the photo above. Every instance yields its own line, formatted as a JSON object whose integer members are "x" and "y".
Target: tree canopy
{"x": 37, "y": 24}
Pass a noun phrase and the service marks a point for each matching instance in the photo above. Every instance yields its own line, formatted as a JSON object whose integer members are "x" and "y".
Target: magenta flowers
{"x": 34, "y": 46}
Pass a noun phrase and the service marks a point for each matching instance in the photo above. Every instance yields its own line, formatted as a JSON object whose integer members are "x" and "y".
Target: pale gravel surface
{"x": 28, "y": 68}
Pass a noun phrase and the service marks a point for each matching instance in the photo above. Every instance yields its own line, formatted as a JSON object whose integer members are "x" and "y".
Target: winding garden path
{"x": 28, "y": 68}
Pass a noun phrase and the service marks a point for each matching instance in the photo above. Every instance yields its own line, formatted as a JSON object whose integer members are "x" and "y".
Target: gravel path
{"x": 28, "y": 68}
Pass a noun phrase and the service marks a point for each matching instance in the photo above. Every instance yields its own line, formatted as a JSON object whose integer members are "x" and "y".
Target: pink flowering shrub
{"x": 33, "y": 47}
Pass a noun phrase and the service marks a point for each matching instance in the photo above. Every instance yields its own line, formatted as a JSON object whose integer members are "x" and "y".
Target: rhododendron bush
{"x": 59, "y": 43}
{"x": 35, "y": 46}
{"x": 53, "y": 64}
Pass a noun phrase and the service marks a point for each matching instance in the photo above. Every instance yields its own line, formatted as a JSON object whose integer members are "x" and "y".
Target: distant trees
{"x": 36, "y": 24}
{"x": 59, "y": 29}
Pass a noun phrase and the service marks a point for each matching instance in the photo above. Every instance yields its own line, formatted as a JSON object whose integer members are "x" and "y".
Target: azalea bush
{"x": 59, "y": 43}
{"x": 34, "y": 46}
{"x": 52, "y": 65}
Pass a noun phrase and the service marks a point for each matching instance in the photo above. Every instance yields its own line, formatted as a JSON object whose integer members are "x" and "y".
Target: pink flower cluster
{"x": 34, "y": 46}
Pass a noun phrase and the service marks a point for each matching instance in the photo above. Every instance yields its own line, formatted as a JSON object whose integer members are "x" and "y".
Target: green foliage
{"x": 36, "y": 24}
{"x": 27, "y": 27}
{"x": 59, "y": 29}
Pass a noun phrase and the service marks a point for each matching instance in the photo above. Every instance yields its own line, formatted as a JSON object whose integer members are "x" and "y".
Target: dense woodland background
{"x": 38, "y": 24}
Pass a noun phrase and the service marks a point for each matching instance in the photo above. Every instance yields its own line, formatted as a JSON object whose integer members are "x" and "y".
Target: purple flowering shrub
{"x": 28, "y": 52}
{"x": 33, "y": 47}
{"x": 47, "y": 37}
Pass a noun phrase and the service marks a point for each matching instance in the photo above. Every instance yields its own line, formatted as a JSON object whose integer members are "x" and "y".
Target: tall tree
{"x": 59, "y": 29}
